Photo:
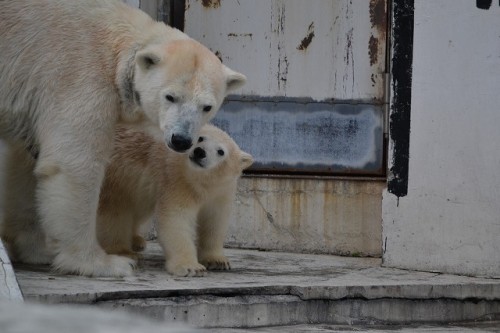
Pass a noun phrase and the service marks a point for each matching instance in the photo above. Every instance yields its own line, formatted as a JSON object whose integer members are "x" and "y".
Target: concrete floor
{"x": 274, "y": 292}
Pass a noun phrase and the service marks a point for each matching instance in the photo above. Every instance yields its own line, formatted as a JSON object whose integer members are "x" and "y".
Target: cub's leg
{"x": 21, "y": 230}
{"x": 212, "y": 229}
{"x": 138, "y": 242}
{"x": 70, "y": 170}
{"x": 176, "y": 235}
{"x": 114, "y": 232}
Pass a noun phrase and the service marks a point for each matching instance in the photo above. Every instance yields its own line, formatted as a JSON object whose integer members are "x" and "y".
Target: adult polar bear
{"x": 69, "y": 71}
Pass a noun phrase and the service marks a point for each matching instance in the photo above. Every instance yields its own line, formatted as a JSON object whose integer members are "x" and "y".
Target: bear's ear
{"x": 234, "y": 80}
{"x": 246, "y": 160}
{"x": 148, "y": 57}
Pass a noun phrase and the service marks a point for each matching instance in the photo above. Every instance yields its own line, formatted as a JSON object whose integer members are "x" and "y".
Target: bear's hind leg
{"x": 21, "y": 230}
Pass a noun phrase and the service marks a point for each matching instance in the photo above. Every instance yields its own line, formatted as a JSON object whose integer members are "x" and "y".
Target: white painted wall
{"x": 450, "y": 219}
{"x": 262, "y": 38}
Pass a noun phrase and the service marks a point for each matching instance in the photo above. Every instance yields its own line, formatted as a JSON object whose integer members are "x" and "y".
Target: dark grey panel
{"x": 307, "y": 137}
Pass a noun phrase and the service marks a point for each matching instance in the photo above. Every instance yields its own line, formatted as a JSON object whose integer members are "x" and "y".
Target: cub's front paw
{"x": 178, "y": 268}
{"x": 216, "y": 262}
{"x": 138, "y": 243}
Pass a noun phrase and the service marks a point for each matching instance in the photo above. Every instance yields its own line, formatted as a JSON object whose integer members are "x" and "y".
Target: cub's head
{"x": 218, "y": 155}
{"x": 181, "y": 85}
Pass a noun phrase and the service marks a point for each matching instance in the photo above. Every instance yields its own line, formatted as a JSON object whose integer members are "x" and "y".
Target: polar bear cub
{"x": 190, "y": 194}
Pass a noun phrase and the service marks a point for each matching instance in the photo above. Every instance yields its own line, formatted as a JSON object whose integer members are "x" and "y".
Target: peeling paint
{"x": 232, "y": 34}
{"x": 211, "y": 3}
{"x": 304, "y": 43}
{"x": 219, "y": 55}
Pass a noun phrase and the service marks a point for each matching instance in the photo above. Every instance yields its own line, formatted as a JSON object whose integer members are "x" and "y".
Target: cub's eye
{"x": 200, "y": 139}
{"x": 207, "y": 108}
{"x": 170, "y": 98}
{"x": 220, "y": 152}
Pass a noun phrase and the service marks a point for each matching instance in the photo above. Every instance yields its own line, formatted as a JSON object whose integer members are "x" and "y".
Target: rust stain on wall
{"x": 378, "y": 19}
{"x": 210, "y": 3}
{"x": 373, "y": 50}
{"x": 304, "y": 43}
{"x": 378, "y": 15}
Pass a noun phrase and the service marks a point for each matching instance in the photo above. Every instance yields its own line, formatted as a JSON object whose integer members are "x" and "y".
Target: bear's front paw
{"x": 96, "y": 265}
{"x": 216, "y": 262}
{"x": 186, "y": 269}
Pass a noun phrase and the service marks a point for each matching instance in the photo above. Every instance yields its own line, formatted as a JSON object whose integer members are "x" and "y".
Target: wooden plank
{"x": 9, "y": 288}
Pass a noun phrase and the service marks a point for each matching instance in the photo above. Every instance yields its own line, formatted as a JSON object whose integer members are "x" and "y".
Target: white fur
{"x": 191, "y": 198}
{"x": 69, "y": 70}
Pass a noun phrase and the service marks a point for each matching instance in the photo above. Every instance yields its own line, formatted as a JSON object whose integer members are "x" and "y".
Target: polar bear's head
{"x": 180, "y": 86}
{"x": 217, "y": 156}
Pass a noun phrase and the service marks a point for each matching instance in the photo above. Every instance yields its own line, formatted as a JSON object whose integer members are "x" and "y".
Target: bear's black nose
{"x": 180, "y": 143}
{"x": 199, "y": 153}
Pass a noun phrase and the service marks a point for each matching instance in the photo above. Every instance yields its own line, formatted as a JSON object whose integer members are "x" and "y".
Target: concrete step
{"x": 266, "y": 289}
{"x": 9, "y": 288}
{"x": 318, "y": 328}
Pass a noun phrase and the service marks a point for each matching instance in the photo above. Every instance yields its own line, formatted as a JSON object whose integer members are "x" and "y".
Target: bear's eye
{"x": 170, "y": 98}
{"x": 207, "y": 108}
{"x": 200, "y": 139}
{"x": 220, "y": 152}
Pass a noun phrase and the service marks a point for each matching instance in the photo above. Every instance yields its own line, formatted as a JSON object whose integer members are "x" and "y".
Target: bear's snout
{"x": 180, "y": 143}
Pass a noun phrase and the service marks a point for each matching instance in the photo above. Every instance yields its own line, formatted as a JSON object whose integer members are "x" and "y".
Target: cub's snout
{"x": 198, "y": 155}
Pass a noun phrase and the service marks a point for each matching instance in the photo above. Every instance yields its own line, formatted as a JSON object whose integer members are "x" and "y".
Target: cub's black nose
{"x": 180, "y": 143}
{"x": 199, "y": 153}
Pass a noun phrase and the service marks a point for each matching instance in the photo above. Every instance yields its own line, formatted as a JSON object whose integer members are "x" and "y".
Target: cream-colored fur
{"x": 190, "y": 195}
{"x": 69, "y": 71}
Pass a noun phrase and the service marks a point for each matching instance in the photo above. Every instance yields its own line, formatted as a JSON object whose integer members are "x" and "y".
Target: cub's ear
{"x": 234, "y": 80}
{"x": 148, "y": 57}
{"x": 246, "y": 160}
